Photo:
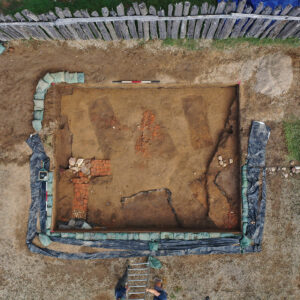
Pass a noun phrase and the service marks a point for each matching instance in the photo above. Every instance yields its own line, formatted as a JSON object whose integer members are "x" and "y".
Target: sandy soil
{"x": 271, "y": 274}
{"x": 166, "y": 137}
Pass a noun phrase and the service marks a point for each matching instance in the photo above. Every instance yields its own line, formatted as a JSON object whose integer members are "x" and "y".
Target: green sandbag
{"x": 71, "y": 77}
{"x": 38, "y": 115}
{"x": 2, "y": 49}
{"x": 179, "y": 236}
{"x": 37, "y": 125}
{"x": 44, "y": 239}
{"x": 49, "y": 188}
{"x": 111, "y": 236}
{"x": 144, "y": 236}
{"x": 49, "y": 200}
{"x": 99, "y": 236}
{"x": 40, "y": 95}
{"x": 42, "y": 86}
{"x": 130, "y": 236}
{"x": 38, "y": 104}
{"x": 50, "y": 177}
{"x": 153, "y": 246}
{"x": 123, "y": 236}
{"x": 166, "y": 235}
{"x": 87, "y": 236}
{"x": 49, "y": 211}
{"x": 154, "y": 236}
{"x": 79, "y": 236}
{"x": 58, "y": 77}
{"x": 80, "y": 77}
{"x": 48, "y": 223}
{"x": 203, "y": 235}
{"x": 245, "y": 242}
{"x": 48, "y": 78}
{"x": 154, "y": 263}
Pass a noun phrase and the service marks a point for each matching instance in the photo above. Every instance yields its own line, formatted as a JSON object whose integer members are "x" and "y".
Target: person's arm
{"x": 153, "y": 292}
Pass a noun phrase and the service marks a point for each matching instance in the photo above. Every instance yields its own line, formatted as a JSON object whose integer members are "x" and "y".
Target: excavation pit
{"x": 159, "y": 158}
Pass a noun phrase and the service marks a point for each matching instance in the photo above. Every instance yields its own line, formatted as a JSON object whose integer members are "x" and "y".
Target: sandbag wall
{"x": 182, "y": 20}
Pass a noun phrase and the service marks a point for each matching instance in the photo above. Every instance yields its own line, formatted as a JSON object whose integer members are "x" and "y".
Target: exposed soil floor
{"x": 270, "y": 274}
{"x": 163, "y": 144}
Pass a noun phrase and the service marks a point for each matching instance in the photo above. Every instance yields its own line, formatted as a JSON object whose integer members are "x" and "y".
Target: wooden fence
{"x": 182, "y": 20}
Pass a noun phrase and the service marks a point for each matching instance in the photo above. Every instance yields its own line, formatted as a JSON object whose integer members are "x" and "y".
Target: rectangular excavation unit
{"x": 148, "y": 159}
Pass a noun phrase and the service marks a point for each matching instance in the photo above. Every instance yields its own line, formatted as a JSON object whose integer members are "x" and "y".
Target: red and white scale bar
{"x": 136, "y": 81}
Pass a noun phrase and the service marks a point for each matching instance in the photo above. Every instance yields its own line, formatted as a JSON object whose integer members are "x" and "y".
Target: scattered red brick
{"x": 100, "y": 167}
{"x": 80, "y": 200}
{"x": 150, "y": 131}
{"x": 231, "y": 220}
{"x": 80, "y": 180}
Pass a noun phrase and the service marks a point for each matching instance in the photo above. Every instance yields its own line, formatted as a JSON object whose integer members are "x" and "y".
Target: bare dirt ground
{"x": 271, "y": 274}
{"x": 165, "y": 137}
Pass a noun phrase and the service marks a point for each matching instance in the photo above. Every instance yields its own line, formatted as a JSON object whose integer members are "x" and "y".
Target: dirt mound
{"x": 275, "y": 75}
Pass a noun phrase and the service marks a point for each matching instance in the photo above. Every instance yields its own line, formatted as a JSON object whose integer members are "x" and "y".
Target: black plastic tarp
{"x": 133, "y": 248}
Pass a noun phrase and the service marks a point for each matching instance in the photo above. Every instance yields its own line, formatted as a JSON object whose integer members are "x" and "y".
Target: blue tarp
{"x": 133, "y": 248}
{"x": 271, "y": 3}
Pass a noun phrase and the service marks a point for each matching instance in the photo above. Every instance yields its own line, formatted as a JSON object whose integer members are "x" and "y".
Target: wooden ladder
{"x": 138, "y": 277}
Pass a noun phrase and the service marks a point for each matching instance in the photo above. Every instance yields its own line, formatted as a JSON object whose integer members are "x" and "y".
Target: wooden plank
{"x": 131, "y": 24}
{"x": 207, "y": 22}
{"x": 105, "y": 34}
{"x": 117, "y": 25}
{"x": 239, "y": 25}
{"x": 227, "y": 28}
{"x": 240, "y": 9}
{"x": 144, "y": 12}
{"x": 215, "y": 22}
{"x": 70, "y": 28}
{"x": 88, "y": 34}
{"x": 153, "y": 24}
{"x": 63, "y": 31}
{"x": 258, "y": 23}
{"x": 175, "y": 24}
{"x": 257, "y": 11}
{"x": 169, "y": 23}
{"x": 192, "y": 23}
{"x": 36, "y": 31}
{"x": 139, "y": 23}
{"x": 110, "y": 27}
{"x": 266, "y": 23}
{"x": 289, "y": 31}
{"x": 22, "y": 29}
{"x": 5, "y": 37}
{"x": 162, "y": 26}
{"x": 292, "y": 27}
{"x": 199, "y": 23}
{"x": 277, "y": 26}
{"x": 123, "y": 26}
{"x": 92, "y": 26}
{"x": 50, "y": 29}
{"x": 75, "y": 26}
{"x": 186, "y": 10}
{"x": 227, "y": 11}
{"x": 16, "y": 32}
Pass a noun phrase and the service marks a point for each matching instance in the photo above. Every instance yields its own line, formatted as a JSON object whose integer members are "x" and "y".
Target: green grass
{"x": 292, "y": 136}
{"x": 230, "y": 43}
{"x": 42, "y": 6}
